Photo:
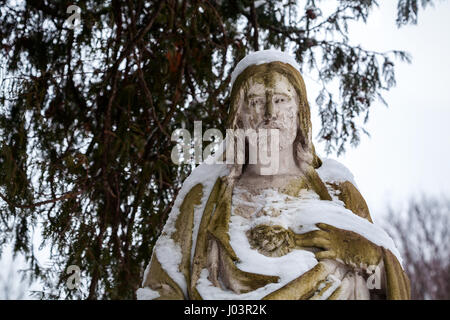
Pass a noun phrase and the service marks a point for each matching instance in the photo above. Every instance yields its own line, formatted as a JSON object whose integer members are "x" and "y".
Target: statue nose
{"x": 269, "y": 114}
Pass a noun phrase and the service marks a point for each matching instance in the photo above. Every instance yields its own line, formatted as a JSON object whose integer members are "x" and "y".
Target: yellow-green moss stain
{"x": 294, "y": 186}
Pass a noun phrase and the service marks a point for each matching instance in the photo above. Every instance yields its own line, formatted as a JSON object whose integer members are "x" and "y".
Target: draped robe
{"x": 211, "y": 250}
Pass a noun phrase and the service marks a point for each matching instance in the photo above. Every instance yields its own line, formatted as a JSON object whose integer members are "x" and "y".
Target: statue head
{"x": 270, "y": 102}
{"x": 273, "y": 96}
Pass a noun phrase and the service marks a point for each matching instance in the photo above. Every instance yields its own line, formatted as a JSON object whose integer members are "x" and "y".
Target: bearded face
{"x": 273, "y": 96}
{"x": 271, "y": 104}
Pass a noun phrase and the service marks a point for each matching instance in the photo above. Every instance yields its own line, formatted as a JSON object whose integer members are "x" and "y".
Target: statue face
{"x": 272, "y": 105}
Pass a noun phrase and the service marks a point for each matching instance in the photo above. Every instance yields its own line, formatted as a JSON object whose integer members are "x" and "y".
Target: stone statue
{"x": 302, "y": 231}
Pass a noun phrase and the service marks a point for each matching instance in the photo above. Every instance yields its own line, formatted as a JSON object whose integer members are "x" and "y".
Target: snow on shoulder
{"x": 260, "y": 57}
{"x": 333, "y": 171}
{"x": 167, "y": 251}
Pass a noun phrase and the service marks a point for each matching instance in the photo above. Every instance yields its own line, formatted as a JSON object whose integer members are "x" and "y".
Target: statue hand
{"x": 349, "y": 247}
{"x": 272, "y": 241}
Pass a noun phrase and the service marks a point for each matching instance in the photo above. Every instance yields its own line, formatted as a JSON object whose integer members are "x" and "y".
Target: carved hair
{"x": 305, "y": 154}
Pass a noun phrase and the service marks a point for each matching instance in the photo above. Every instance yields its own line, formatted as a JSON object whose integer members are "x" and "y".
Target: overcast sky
{"x": 409, "y": 149}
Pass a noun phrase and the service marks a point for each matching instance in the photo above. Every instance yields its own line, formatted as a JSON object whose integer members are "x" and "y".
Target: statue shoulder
{"x": 341, "y": 180}
{"x": 194, "y": 192}
{"x": 204, "y": 175}
{"x": 168, "y": 274}
{"x": 332, "y": 171}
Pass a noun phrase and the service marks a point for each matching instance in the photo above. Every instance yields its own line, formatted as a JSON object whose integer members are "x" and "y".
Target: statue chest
{"x": 267, "y": 217}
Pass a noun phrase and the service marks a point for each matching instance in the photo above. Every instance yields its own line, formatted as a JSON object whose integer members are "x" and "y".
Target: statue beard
{"x": 287, "y": 134}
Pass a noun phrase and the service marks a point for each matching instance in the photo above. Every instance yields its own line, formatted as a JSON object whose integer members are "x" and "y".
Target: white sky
{"x": 408, "y": 151}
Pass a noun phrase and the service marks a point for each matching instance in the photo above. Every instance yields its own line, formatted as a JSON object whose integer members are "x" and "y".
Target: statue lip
{"x": 267, "y": 124}
{"x": 269, "y": 127}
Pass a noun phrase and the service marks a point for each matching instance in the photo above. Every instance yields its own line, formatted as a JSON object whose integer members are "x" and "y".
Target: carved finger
{"x": 325, "y": 226}
{"x": 312, "y": 235}
{"x": 314, "y": 242}
{"x": 325, "y": 255}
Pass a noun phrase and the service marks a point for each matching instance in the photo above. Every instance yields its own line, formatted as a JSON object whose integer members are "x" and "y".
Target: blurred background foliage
{"x": 421, "y": 231}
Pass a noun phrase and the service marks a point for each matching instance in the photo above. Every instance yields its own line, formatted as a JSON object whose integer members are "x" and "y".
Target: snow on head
{"x": 260, "y": 57}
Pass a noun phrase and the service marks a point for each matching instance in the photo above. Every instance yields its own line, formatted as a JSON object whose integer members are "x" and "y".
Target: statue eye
{"x": 256, "y": 102}
{"x": 281, "y": 99}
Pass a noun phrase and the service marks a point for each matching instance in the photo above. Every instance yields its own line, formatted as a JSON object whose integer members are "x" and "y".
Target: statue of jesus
{"x": 297, "y": 230}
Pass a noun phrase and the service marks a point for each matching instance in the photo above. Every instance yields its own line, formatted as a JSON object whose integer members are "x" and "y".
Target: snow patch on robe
{"x": 146, "y": 294}
{"x": 167, "y": 251}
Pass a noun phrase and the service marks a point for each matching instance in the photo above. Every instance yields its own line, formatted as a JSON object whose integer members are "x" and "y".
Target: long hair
{"x": 304, "y": 152}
